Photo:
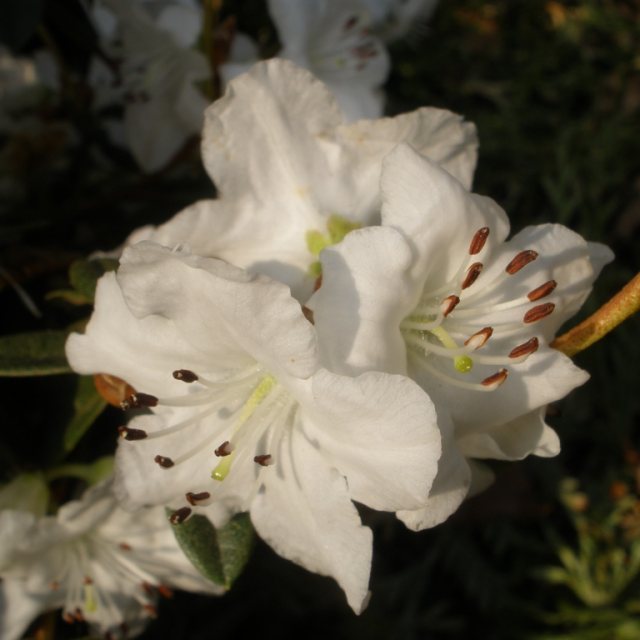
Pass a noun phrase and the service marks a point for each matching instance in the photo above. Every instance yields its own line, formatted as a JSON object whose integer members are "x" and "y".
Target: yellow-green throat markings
{"x": 337, "y": 229}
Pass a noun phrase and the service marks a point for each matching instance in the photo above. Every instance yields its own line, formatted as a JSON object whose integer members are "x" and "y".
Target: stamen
{"x": 150, "y": 609}
{"x": 132, "y": 434}
{"x": 495, "y": 380}
{"x": 264, "y": 460}
{"x": 539, "y": 312}
{"x": 449, "y": 304}
{"x": 521, "y": 261}
{"x": 525, "y": 349}
{"x": 124, "y": 546}
{"x": 225, "y": 449}
{"x": 79, "y": 616}
{"x": 479, "y": 338}
{"x": 136, "y": 400}
{"x": 472, "y": 274}
{"x": 308, "y": 314}
{"x": 195, "y": 498}
{"x": 90, "y": 604}
{"x": 68, "y": 618}
{"x": 164, "y": 462}
{"x": 185, "y": 375}
{"x": 180, "y": 515}
{"x": 542, "y": 291}
{"x": 478, "y": 241}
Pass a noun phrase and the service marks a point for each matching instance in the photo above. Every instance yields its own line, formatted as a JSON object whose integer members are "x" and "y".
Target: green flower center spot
{"x": 337, "y": 228}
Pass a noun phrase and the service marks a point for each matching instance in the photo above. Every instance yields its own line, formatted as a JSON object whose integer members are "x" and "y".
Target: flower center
{"x": 444, "y": 327}
{"x": 245, "y": 414}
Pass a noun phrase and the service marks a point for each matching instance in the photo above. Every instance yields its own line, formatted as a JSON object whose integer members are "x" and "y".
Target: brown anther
{"x": 137, "y": 400}
{"x": 479, "y": 338}
{"x": 184, "y": 375}
{"x": 263, "y": 460}
{"x": 318, "y": 283}
{"x": 147, "y": 587}
{"x": 472, "y": 274}
{"x": 195, "y": 498}
{"x": 180, "y": 515}
{"x": 224, "y": 449}
{"x": 68, "y": 618}
{"x": 496, "y": 379}
{"x": 478, "y": 241}
{"x": 151, "y": 610}
{"x": 538, "y": 312}
{"x": 308, "y": 314}
{"x": 125, "y": 547}
{"x": 164, "y": 462}
{"x": 164, "y": 591}
{"x": 521, "y": 261}
{"x": 79, "y": 616}
{"x": 542, "y": 291}
{"x": 54, "y": 586}
{"x": 525, "y": 349}
{"x": 87, "y": 580}
{"x": 449, "y": 304}
{"x": 132, "y": 434}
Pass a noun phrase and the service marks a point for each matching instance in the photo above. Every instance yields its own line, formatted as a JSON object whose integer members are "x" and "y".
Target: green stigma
{"x": 264, "y": 388}
{"x": 222, "y": 468}
{"x": 463, "y": 364}
{"x": 90, "y": 604}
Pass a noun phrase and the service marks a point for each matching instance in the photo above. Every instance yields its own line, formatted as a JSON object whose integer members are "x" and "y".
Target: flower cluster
{"x": 345, "y": 323}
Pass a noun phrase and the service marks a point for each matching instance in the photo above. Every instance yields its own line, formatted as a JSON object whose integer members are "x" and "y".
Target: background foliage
{"x": 552, "y": 550}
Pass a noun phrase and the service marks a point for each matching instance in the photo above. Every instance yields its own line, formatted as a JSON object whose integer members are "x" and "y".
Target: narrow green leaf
{"x": 219, "y": 555}
{"x": 84, "y": 274}
{"x": 88, "y": 404}
{"x": 40, "y": 353}
{"x": 68, "y": 295}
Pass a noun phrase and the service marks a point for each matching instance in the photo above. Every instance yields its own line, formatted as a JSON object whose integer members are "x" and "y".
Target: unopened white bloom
{"x": 158, "y": 68}
{"x": 242, "y": 416}
{"x": 100, "y": 564}
{"x": 437, "y": 293}
{"x": 293, "y": 176}
{"x": 333, "y": 40}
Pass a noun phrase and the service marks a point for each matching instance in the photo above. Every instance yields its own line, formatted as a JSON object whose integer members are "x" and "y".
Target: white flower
{"x": 333, "y": 40}
{"x": 437, "y": 293}
{"x": 101, "y": 564}
{"x": 249, "y": 421}
{"x": 393, "y": 19}
{"x": 293, "y": 176}
{"x": 156, "y": 76}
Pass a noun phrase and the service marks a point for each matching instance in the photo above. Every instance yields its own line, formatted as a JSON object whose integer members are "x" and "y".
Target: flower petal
{"x": 449, "y": 489}
{"x": 306, "y": 515}
{"x": 143, "y": 352}
{"x": 435, "y": 213}
{"x": 364, "y": 296}
{"x": 381, "y": 432}
{"x": 228, "y": 316}
{"x": 526, "y": 435}
{"x": 18, "y": 608}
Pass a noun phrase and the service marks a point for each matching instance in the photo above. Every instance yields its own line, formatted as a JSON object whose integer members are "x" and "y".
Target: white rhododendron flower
{"x": 157, "y": 69}
{"x": 99, "y": 563}
{"x": 437, "y": 293}
{"x": 393, "y": 19}
{"x": 243, "y": 418}
{"x": 333, "y": 40}
{"x": 294, "y": 177}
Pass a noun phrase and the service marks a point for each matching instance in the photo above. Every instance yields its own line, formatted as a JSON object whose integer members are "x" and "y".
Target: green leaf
{"x": 91, "y": 473}
{"x": 40, "y": 353}
{"x": 84, "y": 274}
{"x": 68, "y": 295}
{"x": 218, "y": 554}
{"x": 88, "y": 404}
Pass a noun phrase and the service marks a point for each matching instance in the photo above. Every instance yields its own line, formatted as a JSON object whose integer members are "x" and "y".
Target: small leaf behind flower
{"x": 84, "y": 275}
{"x": 40, "y": 353}
{"x": 88, "y": 404}
{"x": 218, "y": 554}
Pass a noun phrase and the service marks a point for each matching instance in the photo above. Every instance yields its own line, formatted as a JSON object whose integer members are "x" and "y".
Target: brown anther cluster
{"x": 132, "y": 434}
{"x": 164, "y": 462}
{"x": 180, "y": 515}
{"x": 184, "y": 375}
{"x": 139, "y": 400}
